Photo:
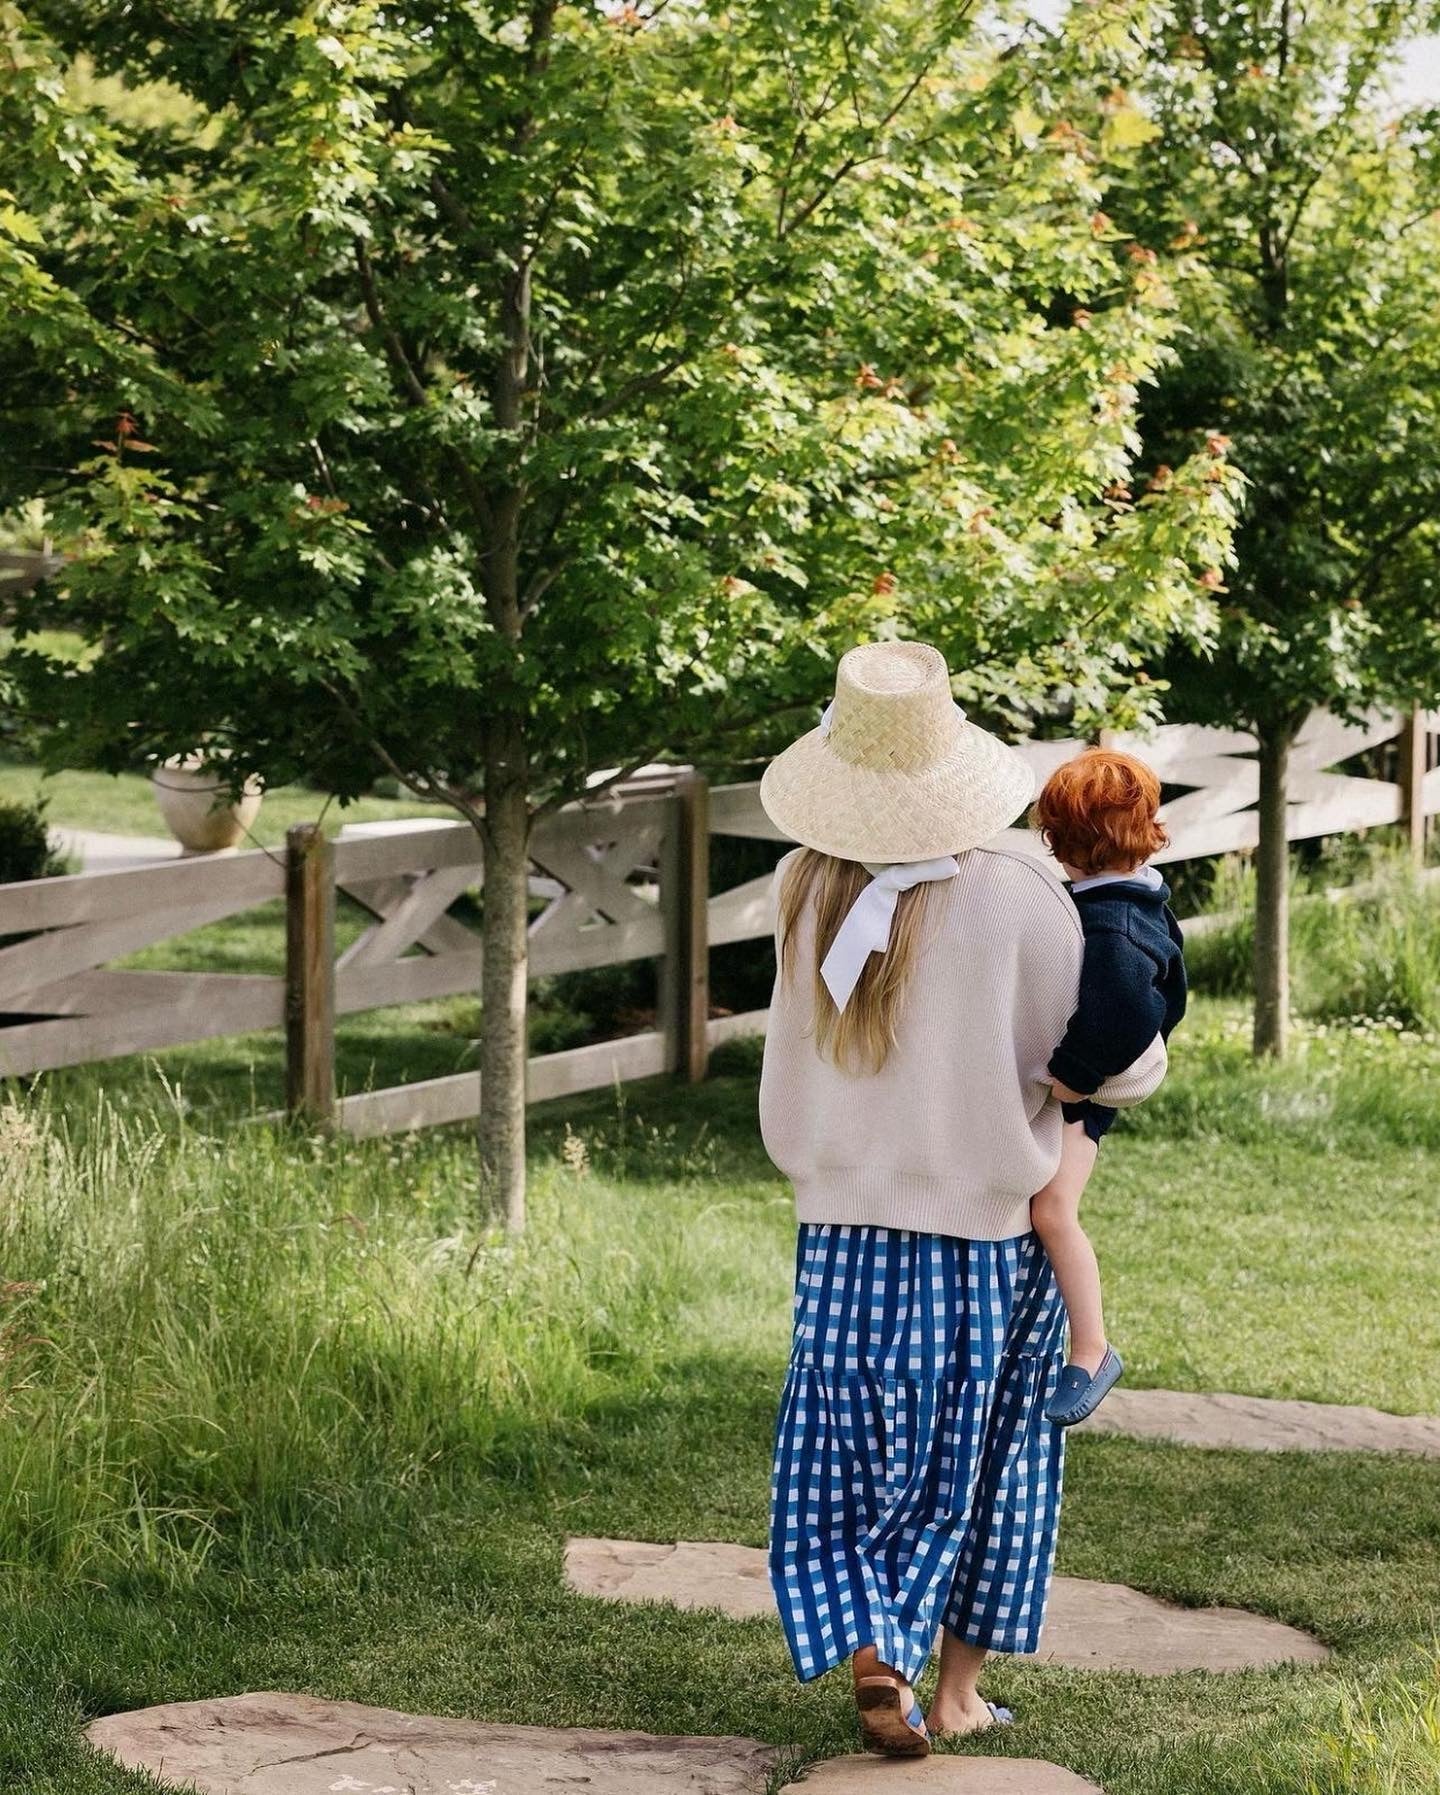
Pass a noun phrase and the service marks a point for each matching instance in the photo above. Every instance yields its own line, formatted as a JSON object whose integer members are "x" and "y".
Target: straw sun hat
{"x": 895, "y": 772}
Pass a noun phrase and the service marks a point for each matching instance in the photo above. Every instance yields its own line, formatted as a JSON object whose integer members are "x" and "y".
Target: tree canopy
{"x": 823, "y": 335}
{"x": 498, "y": 399}
{"x": 1303, "y": 207}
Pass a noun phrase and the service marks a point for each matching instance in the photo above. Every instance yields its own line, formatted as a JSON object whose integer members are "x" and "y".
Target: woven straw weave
{"x": 900, "y": 775}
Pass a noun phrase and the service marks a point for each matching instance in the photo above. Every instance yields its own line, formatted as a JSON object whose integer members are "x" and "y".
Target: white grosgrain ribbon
{"x": 866, "y": 928}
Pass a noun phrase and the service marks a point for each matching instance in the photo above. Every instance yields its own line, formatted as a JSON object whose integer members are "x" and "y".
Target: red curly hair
{"x": 1097, "y": 812}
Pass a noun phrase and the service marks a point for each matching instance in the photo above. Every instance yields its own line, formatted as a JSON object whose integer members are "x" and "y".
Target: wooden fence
{"x": 622, "y": 879}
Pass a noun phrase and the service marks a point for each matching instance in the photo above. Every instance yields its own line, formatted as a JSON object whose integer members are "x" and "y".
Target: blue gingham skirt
{"x": 917, "y": 1482}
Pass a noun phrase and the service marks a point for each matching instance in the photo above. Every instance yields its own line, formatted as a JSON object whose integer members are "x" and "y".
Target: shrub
{"x": 26, "y": 851}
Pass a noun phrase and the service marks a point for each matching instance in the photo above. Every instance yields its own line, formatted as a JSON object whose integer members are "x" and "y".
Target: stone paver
{"x": 865, "y": 1775}
{"x": 1090, "y": 1626}
{"x": 1109, "y": 1626}
{"x": 692, "y": 1574}
{"x": 275, "y": 1744}
{"x": 1262, "y": 1423}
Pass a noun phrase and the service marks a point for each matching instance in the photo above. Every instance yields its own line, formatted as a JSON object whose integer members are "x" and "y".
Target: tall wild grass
{"x": 206, "y": 1344}
{"x": 1374, "y": 954}
{"x": 1384, "y": 1740}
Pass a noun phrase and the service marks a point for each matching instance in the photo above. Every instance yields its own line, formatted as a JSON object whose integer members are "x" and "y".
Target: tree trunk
{"x": 503, "y": 979}
{"x": 504, "y": 931}
{"x": 1272, "y": 895}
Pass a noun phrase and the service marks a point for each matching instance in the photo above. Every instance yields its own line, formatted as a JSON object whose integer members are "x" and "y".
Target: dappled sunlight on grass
{"x": 279, "y": 1411}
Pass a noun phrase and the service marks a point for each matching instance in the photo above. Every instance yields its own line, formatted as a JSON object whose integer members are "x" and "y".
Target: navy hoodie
{"x": 1132, "y": 982}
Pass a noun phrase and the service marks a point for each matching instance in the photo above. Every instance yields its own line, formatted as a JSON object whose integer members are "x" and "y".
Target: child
{"x": 1097, "y": 816}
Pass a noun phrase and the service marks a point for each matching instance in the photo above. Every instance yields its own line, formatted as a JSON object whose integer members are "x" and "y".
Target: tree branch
{"x": 424, "y": 785}
{"x": 414, "y": 389}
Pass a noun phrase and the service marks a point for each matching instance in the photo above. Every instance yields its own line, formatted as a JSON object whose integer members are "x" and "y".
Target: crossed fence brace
{"x": 620, "y": 880}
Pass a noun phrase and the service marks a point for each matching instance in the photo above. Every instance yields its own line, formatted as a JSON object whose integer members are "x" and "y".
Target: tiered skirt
{"x": 917, "y": 1483}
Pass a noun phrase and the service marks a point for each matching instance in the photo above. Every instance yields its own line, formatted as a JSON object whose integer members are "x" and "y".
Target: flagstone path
{"x": 282, "y": 1744}
{"x": 1090, "y": 1625}
{"x": 867, "y": 1775}
{"x": 278, "y": 1744}
{"x": 1263, "y": 1424}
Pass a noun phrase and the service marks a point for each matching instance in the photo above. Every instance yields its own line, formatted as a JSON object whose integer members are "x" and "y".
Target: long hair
{"x": 860, "y": 1039}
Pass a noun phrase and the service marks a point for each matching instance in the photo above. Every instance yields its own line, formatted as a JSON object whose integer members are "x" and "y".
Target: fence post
{"x": 684, "y": 903}
{"x": 1414, "y": 741}
{"x": 309, "y": 975}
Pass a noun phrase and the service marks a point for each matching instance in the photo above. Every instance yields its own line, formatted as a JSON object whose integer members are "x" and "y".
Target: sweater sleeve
{"x": 1117, "y": 1016}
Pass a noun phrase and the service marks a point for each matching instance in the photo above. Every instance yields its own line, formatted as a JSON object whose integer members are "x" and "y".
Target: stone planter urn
{"x": 196, "y": 804}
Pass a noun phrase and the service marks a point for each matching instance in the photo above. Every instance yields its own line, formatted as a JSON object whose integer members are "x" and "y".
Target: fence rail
{"x": 621, "y": 879}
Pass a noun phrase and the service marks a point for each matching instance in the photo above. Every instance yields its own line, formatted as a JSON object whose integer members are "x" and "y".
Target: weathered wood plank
{"x": 684, "y": 901}
{"x": 1042, "y": 758}
{"x": 230, "y": 881}
{"x": 1340, "y": 805}
{"x": 1176, "y": 746}
{"x": 735, "y": 810}
{"x": 599, "y": 944}
{"x": 44, "y": 959}
{"x": 402, "y": 1108}
{"x": 362, "y": 857}
{"x": 419, "y": 977}
{"x": 737, "y": 1028}
{"x": 596, "y": 882}
{"x": 1220, "y": 787}
{"x": 110, "y": 992}
{"x": 416, "y": 980}
{"x": 380, "y": 896}
{"x": 743, "y": 912}
{"x": 192, "y": 1015}
{"x": 1212, "y": 835}
{"x": 1325, "y": 739}
{"x": 607, "y": 821}
{"x": 596, "y": 1067}
{"x": 1413, "y": 752}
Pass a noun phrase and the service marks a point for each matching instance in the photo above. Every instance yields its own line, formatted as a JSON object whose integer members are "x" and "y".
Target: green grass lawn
{"x": 123, "y": 804}
{"x": 261, "y": 1427}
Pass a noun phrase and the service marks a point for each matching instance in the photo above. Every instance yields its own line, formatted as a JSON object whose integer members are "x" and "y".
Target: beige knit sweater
{"x": 959, "y": 1128}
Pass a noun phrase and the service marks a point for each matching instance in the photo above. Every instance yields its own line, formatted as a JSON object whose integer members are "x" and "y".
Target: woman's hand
{"x": 1064, "y": 1093}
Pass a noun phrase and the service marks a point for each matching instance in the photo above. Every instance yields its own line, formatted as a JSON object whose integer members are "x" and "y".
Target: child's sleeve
{"x": 1117, "y": 1016}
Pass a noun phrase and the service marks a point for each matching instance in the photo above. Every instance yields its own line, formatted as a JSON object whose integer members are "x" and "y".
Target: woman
{"x": 923, "y": 982}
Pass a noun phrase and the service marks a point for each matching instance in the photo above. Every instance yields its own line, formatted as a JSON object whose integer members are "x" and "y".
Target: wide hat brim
{"x": 978, "y": 787}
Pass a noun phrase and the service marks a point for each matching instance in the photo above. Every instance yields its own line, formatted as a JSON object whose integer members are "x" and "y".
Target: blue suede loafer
{"x": 1078, "y": 1394}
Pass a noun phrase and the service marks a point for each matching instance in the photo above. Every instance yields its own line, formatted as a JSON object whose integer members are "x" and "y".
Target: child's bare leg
{"x": 1055, "y": 1216}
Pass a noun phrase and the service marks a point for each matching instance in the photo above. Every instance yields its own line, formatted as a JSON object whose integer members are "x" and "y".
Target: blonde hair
{"x": 860, "y": 1038}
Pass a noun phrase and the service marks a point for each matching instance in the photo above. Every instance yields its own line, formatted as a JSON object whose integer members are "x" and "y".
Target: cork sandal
{"x": 887, "y": 1726}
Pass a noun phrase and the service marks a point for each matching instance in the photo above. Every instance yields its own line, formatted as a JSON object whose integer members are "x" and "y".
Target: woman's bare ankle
{"x": 866, "y": 1663}
{"x": 959, "y": 1712}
